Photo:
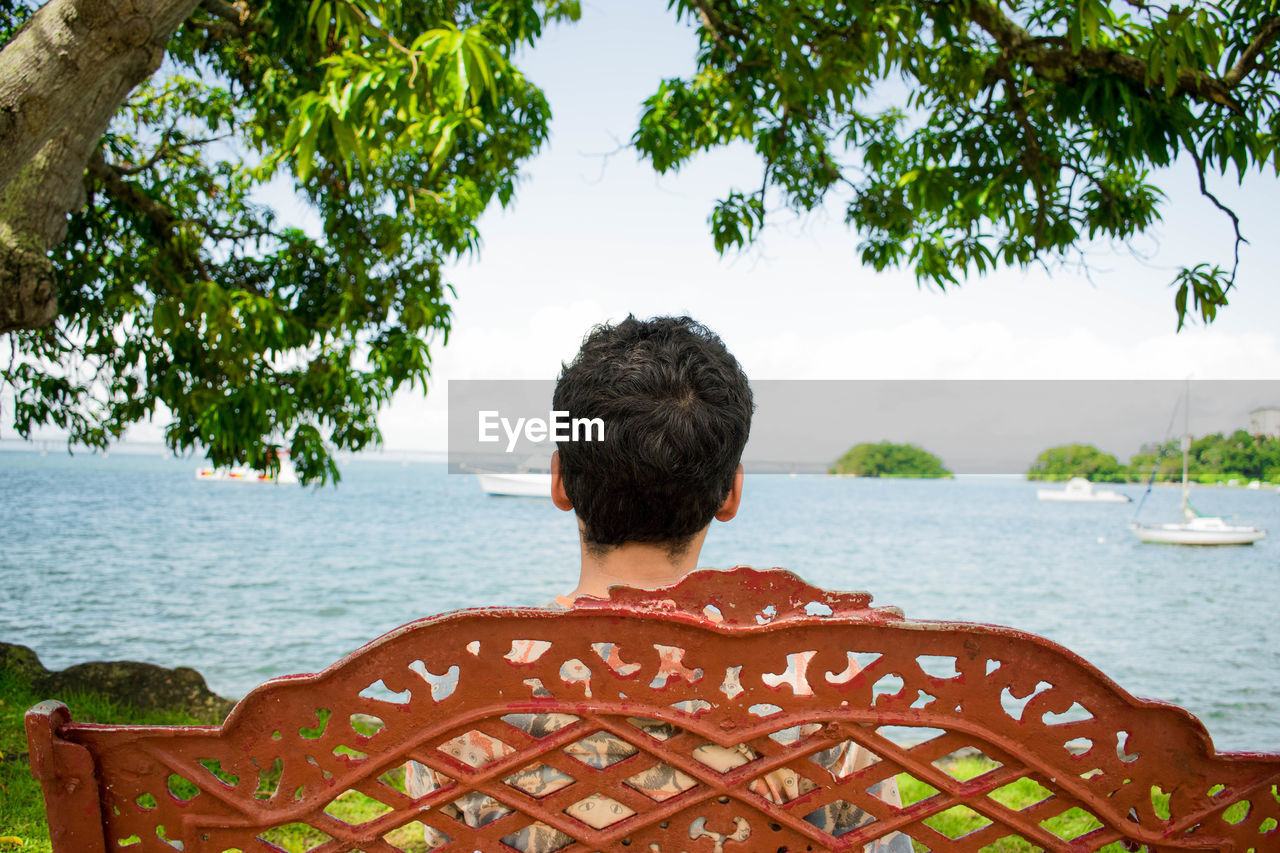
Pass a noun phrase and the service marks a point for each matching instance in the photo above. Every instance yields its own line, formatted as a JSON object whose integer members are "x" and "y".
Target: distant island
{"x": 1058, "y": 464}
{"x": 1216, "y": 458}
{"x": 886, "y": 459}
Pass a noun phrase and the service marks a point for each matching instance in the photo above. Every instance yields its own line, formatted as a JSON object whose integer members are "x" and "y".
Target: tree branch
{"x": 1033, "y": 156}
{"x": 160, "y": 215}
{"x": 1059, "y": 63}
{"x": 1235, "y": 220}
{"x": 62, "y": 78}
{"x": 167, "y": 146}
{"x": 72, "y": 58}
{"x": 1249, "y": 59}
{"x": 216, "y": 27}
{"x": 33, "y": 218}
{"x": 129, "y": 193}
{"x": 151, "y": 161}
{"x": 391, "y": 39}
{"x": 234, "y": 13}
{"x": 715, "y": 26}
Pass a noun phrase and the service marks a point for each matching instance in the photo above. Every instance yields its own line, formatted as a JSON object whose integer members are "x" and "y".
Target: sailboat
{"x": 1194, "y": 529}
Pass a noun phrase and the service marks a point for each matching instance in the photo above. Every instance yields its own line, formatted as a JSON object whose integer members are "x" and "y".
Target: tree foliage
{"x": 886, "y": 459}
{"x": 962, "y": 136}
{"x": 1213, "y": 458}
{"x": 183, "y": 289}
{"x": 1077, "y": 460}
{"x": 956, "y": 137}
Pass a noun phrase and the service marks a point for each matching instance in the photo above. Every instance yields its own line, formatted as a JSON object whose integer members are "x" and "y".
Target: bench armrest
{"x": 66, "y": 775}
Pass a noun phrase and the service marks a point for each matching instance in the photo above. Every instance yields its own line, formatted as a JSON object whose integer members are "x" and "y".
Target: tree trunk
{"x": 62, "y": 78}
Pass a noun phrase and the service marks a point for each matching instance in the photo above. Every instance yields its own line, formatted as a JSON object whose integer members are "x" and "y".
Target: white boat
{"x": 1080, "y": 490}
{"x": 1198, "y": 530}
{"x": 244, "y": 474}
{"x": 530, "y": 479}
{"x": 515, "y": 485}
{"x": 1195, "y": 529}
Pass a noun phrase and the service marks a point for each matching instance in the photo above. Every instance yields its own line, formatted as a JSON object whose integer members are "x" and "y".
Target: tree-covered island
{"x": 1215, "y": 458}
{"x": 1058, "y": 464}
{"x": 886, "y": 459}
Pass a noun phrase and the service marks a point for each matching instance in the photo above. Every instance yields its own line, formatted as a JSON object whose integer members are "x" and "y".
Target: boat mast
{"x": 1186, "y": 449}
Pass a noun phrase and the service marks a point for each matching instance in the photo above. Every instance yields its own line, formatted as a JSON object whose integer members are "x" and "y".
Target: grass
{"x": 23, "y": 827}
{"x": 958, "y": 821}
{"x": 22, "y": 821}
{"x": 961, "y": 820}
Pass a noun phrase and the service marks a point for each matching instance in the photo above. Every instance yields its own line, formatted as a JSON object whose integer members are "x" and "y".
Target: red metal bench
{"x": 747, "y": 655}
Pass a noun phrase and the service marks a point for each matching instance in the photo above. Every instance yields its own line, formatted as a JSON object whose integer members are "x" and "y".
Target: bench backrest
{"x": 743, "y": 658}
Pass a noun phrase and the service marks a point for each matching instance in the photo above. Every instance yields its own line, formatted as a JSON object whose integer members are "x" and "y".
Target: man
{"x": 676, "y": 409}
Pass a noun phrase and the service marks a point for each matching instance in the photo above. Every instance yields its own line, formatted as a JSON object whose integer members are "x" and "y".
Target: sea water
{"x": 130, "y": 557}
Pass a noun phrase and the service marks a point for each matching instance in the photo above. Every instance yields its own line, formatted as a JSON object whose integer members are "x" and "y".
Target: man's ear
{"x": 727, "y": 510}
{"x": 559, "y": 496}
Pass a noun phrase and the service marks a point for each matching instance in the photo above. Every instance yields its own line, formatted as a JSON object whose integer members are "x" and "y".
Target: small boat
{"x": 244, "y": 474}
{"x": 1080, "y": 490}
{"x": 1194, "y": 529}
{"x": 515, "y": 485}
{"x": 530, "y": 479}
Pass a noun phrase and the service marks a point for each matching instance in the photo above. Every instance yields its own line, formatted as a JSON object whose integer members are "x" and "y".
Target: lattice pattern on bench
{"x": 756, "y": 662}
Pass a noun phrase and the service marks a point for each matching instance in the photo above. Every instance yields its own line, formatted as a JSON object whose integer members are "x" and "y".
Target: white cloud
{"x": 928, "y": 347}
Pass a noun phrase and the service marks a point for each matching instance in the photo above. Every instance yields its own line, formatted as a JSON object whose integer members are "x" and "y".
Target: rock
{"x": 144, "y": 686}
{"x": 21, "y": 661}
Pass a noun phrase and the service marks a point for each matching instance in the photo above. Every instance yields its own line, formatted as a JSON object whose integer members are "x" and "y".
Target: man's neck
{"x": 635, "y": 564}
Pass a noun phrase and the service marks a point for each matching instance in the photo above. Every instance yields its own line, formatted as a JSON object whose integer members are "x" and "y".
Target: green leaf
{"x": 348, "y": 144}
{"x": 305, "y": 158}
{"x": 463, "y": 78}
{"x": 1089, "y": 14}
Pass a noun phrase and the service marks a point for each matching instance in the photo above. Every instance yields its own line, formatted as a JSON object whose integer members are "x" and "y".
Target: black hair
{"x": 676, "y": 409}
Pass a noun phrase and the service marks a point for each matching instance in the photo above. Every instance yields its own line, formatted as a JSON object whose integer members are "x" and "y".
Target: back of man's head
{"x": 676, "y": 409}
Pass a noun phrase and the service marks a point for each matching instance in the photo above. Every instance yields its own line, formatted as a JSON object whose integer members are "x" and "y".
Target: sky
{"x": 594, "y": 234}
